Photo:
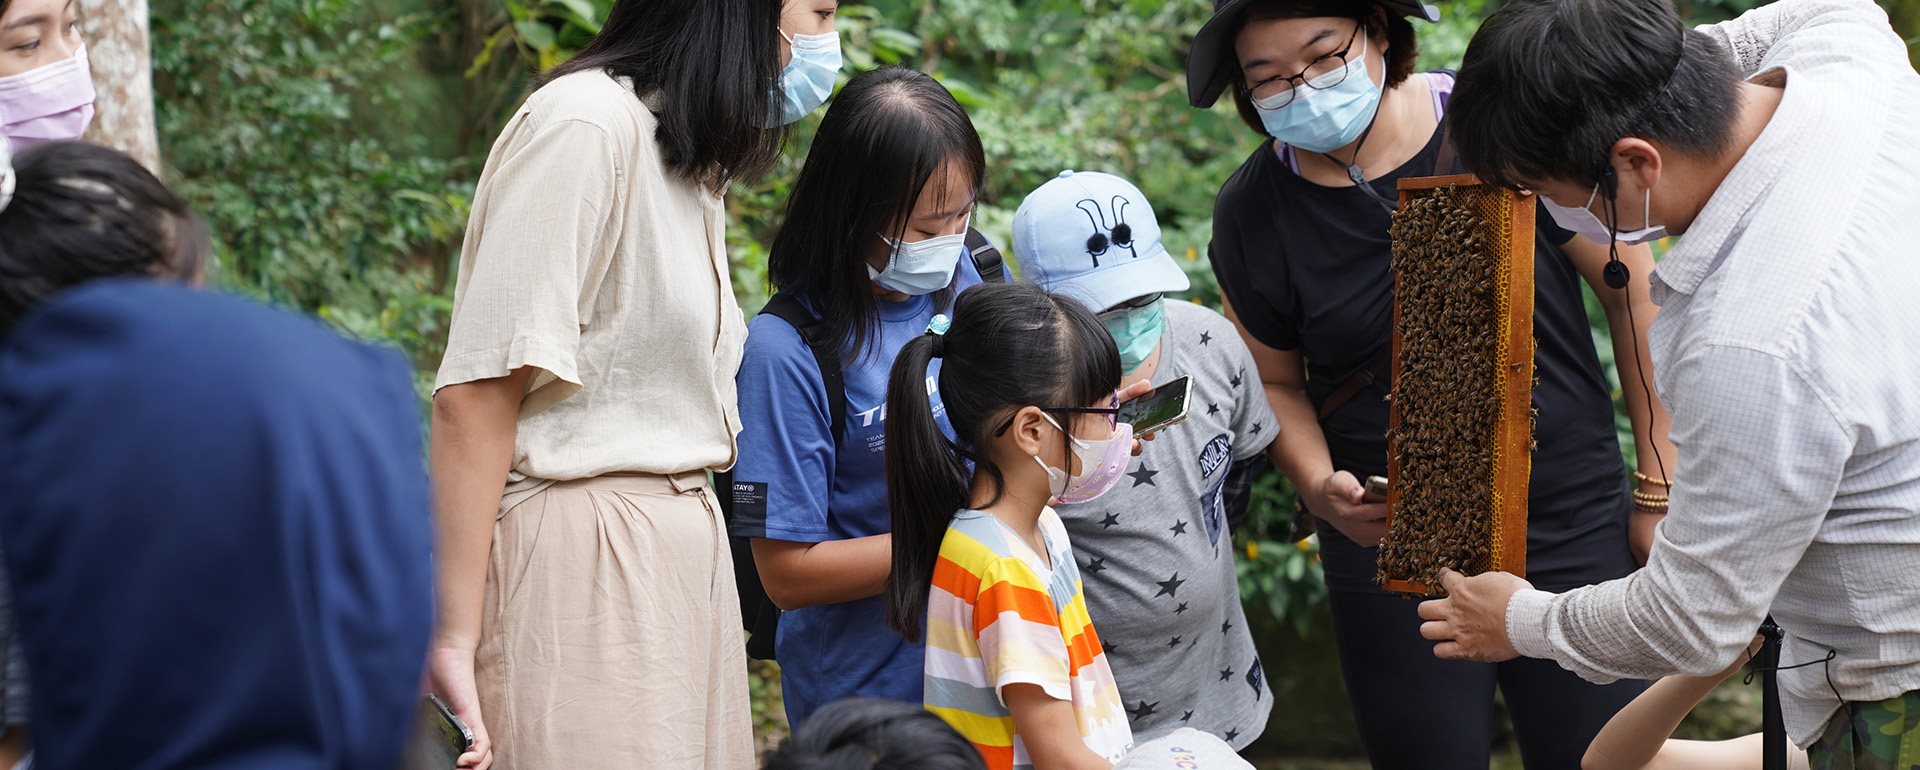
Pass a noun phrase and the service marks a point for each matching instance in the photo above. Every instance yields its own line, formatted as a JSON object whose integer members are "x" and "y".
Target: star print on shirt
{"x": 1227, "y": 626}
{"x": 1170, "y": 586}
{"x": 1174, "y": 643}
{"x": 1112, "y": 520}
{"x": 1143, "y": 476}
{"x": 1179, "y": 528}
{"x": 1143, "y": 710}
{"x": 1180, "y": 609}
{"x": 1108, "y": 647}
{"x": 1256, "y": 428}
{"x": 1237, "y": 377}
{"x": 1097, "y": 565}
{"x": 1225, "y": 674}
{"x": 1212, "y": 409}
{"x": 1232, "y": 734}
{"x": 1187, "y": 717}
{"x": 1205, "y": 337}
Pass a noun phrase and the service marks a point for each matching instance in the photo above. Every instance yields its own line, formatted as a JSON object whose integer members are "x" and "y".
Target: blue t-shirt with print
{"x": 812, "y": 489}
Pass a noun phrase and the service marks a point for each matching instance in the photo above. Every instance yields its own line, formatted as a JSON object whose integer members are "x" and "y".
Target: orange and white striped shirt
{"x": 999, "y": 614}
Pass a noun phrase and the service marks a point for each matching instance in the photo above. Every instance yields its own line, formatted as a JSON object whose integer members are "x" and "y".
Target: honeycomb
{"x": 1460, "y": 435}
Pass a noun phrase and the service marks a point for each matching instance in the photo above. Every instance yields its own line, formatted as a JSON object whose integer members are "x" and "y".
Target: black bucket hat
{"x": 1207, "y": 67}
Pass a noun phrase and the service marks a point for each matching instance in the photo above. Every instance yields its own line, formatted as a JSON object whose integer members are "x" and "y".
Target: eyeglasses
{"x": 1136, "y": 303}
{"x": 1112, "y": 411}
{"x": 1324, "y": 73}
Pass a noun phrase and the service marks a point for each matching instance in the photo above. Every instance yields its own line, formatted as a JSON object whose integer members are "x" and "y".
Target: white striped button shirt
{"x": 1788, "y": 350}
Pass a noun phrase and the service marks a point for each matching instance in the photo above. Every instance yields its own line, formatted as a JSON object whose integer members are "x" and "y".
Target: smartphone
{"x": 1160, "y": 409}
{"x": 1376, "y": 490}
{"x": 439, "y": 738}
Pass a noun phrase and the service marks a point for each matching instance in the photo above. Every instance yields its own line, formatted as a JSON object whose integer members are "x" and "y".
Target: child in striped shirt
{"x": 981, "y": 565}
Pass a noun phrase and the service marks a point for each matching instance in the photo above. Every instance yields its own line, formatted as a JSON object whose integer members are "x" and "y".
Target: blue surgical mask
{"x": 921, "y": 267}
{"x": 809, "y": 77}
{"x": 1136, "y": 330}
{"x": 1326, "y": 120}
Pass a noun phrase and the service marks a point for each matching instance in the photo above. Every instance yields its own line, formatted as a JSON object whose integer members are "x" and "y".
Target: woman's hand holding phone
{"x": 1340, "y": 500}
{"x": 450, "y": 675}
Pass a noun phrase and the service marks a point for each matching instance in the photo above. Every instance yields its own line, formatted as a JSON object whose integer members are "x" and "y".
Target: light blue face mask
{"x": 1325, "y": 120}
{"x": 1137, "y": 331}
{"x": 809, "y": 77}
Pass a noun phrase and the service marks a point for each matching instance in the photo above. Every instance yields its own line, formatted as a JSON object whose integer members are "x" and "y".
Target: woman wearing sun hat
{"x": 1302, "y": 251}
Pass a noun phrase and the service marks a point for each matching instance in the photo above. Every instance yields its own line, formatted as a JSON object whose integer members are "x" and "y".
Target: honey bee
{"x": 1449, "y": 259}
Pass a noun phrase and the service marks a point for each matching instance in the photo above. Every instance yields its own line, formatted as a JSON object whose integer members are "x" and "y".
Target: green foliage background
{"x": 333, "y": 147}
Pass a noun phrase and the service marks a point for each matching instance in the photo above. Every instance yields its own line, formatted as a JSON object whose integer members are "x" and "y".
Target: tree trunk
{"x": 118, "y": 47}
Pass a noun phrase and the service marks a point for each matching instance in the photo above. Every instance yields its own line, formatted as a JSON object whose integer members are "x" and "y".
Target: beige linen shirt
{"x": 588, "y": 260}
{"x": 1788, "y": 350}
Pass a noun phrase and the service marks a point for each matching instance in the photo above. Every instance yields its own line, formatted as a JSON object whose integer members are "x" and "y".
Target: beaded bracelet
{"x": 1645, "y": 479}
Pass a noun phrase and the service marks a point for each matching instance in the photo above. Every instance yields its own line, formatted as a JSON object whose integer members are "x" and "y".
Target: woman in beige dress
{"x": 587, "y": 613}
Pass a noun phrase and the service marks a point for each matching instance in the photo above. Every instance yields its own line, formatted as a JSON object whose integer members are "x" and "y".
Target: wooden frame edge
{"x": 1518, "y": 441}
{"x": 1436, "y": 182}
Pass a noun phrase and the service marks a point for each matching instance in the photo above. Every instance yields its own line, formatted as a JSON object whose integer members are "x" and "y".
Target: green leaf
{"x": 535, "y": 35}
{"x": 583, "y": 9}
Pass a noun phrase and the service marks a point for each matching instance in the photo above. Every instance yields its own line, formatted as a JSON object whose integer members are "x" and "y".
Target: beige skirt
{"x": 611, "y": 636}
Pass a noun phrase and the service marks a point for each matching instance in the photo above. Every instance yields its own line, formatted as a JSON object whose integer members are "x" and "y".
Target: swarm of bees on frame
{"x": 1449, "y": 259}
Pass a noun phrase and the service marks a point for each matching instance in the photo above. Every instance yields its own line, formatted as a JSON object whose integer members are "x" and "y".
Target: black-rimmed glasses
{"x": 1137, "y": 303}
{"x": 1324, "y": 73}
{"x": 1112, "y": 411}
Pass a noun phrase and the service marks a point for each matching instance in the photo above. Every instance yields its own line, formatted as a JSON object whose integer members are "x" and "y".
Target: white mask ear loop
{"x": 7, "y": 178}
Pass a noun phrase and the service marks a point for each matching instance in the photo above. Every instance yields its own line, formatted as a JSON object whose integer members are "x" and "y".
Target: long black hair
{"x": 80, "y": 212}
{"x": 714, "y": 64}
{"x": 875, "y": 734}
{"x": 888, "y": 133}
{"x": 1011, "y": 346}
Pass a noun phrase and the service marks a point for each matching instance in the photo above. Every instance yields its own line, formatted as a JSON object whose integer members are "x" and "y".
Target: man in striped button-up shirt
{"x": 1785, "y": 147}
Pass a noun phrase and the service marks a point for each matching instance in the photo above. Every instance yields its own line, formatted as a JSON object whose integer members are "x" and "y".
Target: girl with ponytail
{"x": 982, "y": 569}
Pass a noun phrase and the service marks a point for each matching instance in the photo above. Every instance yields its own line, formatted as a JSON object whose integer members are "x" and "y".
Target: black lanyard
{"x": 1359, "y": 175}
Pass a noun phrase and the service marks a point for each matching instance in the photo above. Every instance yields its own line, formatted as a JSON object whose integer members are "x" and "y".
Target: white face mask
{"x": 1583, "y": 221}
{"x": 921, "y": 267}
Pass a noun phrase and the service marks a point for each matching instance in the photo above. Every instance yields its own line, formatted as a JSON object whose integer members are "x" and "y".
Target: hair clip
{"x": 939, "y": 325}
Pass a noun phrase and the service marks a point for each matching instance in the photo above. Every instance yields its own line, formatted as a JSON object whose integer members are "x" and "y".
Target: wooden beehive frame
{"x": 1514, "y": 435}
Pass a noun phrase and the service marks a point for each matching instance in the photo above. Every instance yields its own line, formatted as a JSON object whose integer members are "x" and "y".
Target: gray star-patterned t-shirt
{"x": 1156, "y": 559}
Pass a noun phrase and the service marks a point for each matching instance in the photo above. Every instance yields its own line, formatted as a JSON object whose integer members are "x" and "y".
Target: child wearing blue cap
{"x": 1156, "y": 554}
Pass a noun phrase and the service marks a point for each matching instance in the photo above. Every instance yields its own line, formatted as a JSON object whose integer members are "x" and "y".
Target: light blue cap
{"x": 1093, "y": 237}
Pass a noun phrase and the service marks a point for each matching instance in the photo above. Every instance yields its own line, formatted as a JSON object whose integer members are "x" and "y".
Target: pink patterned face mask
{"x": 49, "y": 104}
{"x": 1102, "y": 463}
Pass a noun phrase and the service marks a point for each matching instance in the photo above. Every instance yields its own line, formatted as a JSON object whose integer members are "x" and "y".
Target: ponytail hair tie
{"x": 6, "y": 172}
{"x": 937, "y": 329}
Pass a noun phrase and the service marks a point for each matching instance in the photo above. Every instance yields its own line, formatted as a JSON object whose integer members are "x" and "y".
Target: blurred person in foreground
{"x": 216, "y": 526}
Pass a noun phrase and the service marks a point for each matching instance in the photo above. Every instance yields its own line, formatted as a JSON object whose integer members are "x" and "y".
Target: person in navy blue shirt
{"x": 874, "y": 247}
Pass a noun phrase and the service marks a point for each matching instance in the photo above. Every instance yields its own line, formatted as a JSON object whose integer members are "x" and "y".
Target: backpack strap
{"x": 986, "y": 257}
{"x": 1376, "y": 369}
{"x": 826, "y": 354}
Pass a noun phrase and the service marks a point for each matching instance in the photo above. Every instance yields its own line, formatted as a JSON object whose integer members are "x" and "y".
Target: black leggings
{"x": 1417, "y": 712}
